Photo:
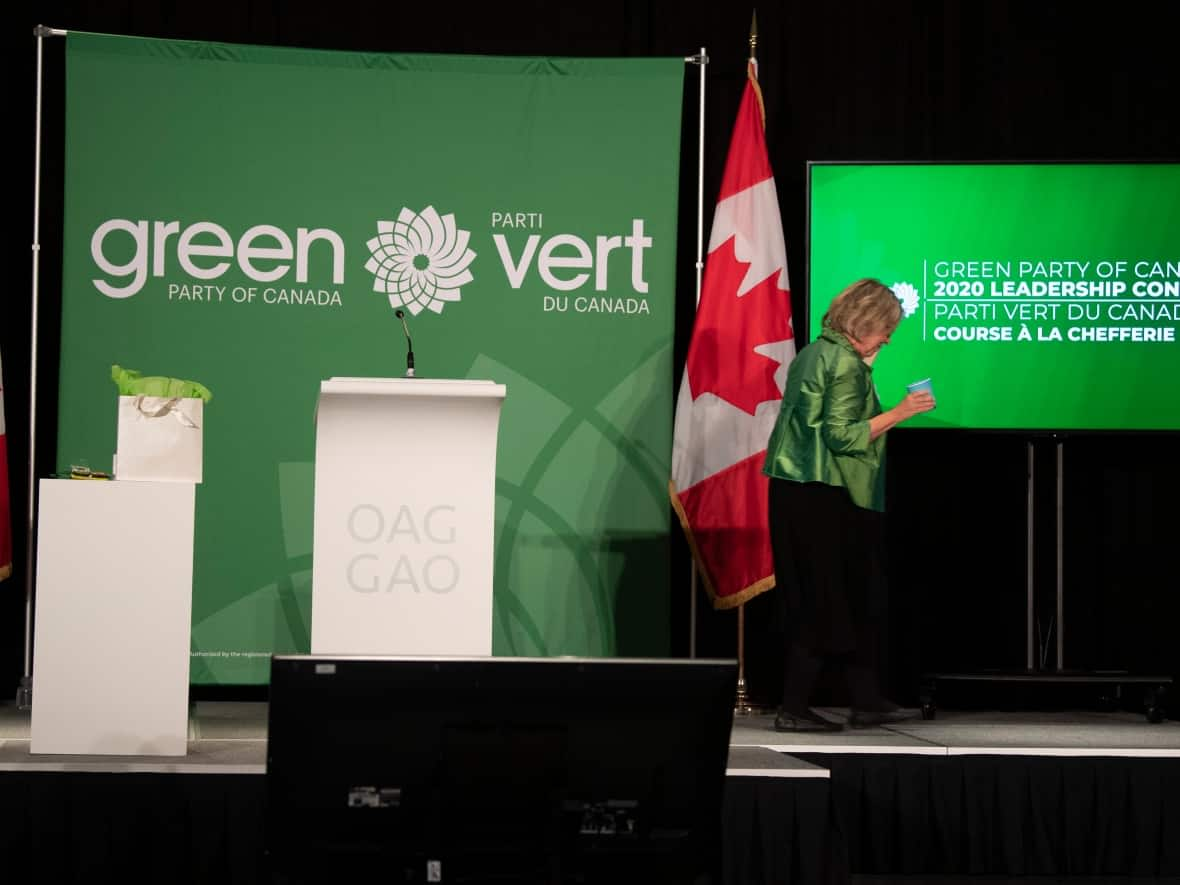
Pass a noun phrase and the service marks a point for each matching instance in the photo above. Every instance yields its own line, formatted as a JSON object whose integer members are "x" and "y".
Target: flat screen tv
{"x": 1038, "y": 296}
{"x": 451, "y": 770}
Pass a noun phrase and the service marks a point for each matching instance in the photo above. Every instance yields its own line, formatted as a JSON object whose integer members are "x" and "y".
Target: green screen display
{"x": 1036, "y": 296}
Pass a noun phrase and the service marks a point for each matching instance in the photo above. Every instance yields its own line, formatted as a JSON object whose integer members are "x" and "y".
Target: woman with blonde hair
{"x": 826, "y": 461}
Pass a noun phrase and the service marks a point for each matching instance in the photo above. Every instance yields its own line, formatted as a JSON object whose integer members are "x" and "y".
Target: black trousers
{"x": 829, "y": 568}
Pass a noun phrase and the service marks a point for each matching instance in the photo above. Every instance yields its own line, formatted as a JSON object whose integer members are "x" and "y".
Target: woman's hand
{"x": 914, "y": 404}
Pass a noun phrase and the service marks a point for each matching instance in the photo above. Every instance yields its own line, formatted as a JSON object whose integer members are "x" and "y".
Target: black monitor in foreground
{"x": 497, "y": 770}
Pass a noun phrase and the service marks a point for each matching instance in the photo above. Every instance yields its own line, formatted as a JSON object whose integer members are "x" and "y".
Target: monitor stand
{"x": 1109, "y": 682}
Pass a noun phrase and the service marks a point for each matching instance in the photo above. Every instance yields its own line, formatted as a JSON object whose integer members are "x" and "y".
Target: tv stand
{"x": 1155, "y": 688}
{"x": 1037, "y": 672}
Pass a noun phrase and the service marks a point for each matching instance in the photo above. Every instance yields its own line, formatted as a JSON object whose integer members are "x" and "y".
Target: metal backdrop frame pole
{"x": 24, "y": 694}
{"x": 701, "y": 60}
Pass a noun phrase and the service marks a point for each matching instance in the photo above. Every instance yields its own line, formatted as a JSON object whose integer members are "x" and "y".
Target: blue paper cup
{"x": 921, "y": 386}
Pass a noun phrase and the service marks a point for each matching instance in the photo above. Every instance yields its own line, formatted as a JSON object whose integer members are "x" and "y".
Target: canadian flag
{"x": 742, "y": 343}
{"x": 5, "y": 514}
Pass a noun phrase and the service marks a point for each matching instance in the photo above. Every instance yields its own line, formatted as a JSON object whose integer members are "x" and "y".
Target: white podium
{"x": 112, "y": 623}
{"x": 405, "y": 474}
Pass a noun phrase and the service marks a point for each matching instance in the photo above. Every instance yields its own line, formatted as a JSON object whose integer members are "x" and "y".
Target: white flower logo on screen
{"x": 907, "y": 294}
{"x": 420, "y": 260}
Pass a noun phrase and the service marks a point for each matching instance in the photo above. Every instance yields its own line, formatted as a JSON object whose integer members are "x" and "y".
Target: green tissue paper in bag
{"x": 132, "y": 383}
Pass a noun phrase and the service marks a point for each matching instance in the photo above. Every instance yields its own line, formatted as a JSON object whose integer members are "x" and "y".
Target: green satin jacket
{"x": 822, "y": 431}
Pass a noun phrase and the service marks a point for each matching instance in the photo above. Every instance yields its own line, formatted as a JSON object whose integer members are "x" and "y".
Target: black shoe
{"x": 869, "y": 718}
{"x": 805, "y": 721}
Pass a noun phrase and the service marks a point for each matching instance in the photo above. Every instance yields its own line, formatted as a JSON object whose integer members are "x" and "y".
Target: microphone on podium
{"x": 401, "y": 315}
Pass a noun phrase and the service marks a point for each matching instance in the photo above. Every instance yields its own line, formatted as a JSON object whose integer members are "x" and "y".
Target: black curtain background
{"x": 978, "y": 80}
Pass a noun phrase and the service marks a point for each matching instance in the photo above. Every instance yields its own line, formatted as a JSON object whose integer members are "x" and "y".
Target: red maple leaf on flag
{"x": 721, "y": 357}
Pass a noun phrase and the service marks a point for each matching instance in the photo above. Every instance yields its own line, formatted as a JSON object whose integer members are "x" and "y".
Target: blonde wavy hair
{"x": 867, "y": 307}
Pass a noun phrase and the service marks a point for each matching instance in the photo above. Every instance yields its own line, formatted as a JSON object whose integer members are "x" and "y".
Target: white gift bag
{"x": 159, "y": 439}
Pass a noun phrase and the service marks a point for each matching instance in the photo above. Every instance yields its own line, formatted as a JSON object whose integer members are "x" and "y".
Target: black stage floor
{"x": 994, "y": 796}
{"x": 230, "y": 738}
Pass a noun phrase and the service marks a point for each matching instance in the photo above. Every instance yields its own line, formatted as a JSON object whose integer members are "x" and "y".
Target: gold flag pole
{"x": 741, "y": 705}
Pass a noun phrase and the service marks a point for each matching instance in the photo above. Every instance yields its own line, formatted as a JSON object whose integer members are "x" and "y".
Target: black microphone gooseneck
{"x": 401, "y": 315}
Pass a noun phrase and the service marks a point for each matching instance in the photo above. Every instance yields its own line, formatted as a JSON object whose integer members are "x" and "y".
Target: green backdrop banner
{"x": 250, "y": 218}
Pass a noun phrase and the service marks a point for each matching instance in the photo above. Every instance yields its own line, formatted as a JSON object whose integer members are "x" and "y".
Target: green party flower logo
{"x": 907, "y": 294}
{"x": 420, "y": 261}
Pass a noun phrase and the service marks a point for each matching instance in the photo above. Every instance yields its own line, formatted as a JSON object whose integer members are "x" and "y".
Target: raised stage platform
{"x": 1001, "y": 796}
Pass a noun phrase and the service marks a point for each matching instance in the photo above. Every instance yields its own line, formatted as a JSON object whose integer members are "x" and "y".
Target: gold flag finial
{"x": 754, "y": 34}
